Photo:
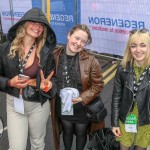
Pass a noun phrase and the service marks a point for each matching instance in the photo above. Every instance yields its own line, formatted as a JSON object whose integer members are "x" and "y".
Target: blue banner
{"x": 63, "y": 18}
{"x": 37, "y": 3}
{"x": 64, "y": 15}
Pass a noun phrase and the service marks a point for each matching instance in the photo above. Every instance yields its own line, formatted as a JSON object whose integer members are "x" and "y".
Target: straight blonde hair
{"x": 145, "y": 38}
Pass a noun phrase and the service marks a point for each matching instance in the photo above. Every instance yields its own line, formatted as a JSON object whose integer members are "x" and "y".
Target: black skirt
{"x": 79, "y": 112}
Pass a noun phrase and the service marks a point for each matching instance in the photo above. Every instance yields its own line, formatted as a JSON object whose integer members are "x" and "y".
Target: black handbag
{"x": 96, "y": 111}
{"x": 103, "y": 139}
{"x": 30, "y": 93}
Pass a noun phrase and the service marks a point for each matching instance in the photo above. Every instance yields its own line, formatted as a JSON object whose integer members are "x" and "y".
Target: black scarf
{"x": 68, "y": 71}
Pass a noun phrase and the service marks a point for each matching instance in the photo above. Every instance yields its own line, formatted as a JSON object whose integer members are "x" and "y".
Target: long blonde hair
{"x": 17, "y": 44}
{"x": 145, "y": 38}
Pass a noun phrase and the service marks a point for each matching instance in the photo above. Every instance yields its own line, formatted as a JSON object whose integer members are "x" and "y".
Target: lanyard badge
{"x": 131, "y": 123}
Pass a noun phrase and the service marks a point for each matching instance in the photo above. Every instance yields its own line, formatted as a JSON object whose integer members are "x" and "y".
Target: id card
{"x": 131, "y": 123}
{"x": 19, "y": 105}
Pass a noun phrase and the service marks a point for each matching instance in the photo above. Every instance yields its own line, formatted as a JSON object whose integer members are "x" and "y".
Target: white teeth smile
{"x": 35, "y": 31}
{"x": 76, "y": 47}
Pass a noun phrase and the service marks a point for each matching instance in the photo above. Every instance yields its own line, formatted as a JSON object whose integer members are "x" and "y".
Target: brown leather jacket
{"x": 92, "y": 85}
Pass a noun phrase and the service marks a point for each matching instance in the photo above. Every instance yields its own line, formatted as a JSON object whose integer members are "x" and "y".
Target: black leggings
{"x": 122, "y": 147}
{"x": 80, "y": 131}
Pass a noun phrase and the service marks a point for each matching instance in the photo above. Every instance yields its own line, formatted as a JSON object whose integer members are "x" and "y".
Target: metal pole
{"x": 48, "y": 10}
{"x": 44, "y": 6}
{"x": 11, "y": 12}
{"x": 76, "y": 11}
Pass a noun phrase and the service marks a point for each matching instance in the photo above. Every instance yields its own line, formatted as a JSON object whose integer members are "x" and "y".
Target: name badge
{"x": 131, "y": 123}
{"x": 19, "y": 105}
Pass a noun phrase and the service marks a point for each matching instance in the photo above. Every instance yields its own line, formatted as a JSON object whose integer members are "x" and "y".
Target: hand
{"x": 46, "y": 84}
{"x": 19, "y": 83}
{"x": 116, "y": 131}
{"x": 32, "y": 82}
{"x": 77, "y": 100}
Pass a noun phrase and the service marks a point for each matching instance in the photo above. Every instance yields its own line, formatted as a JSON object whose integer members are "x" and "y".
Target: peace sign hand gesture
{"x": 46, "y": 84}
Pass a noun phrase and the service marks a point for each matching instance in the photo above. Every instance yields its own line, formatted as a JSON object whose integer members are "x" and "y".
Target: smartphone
{"x": 22, "y": 76}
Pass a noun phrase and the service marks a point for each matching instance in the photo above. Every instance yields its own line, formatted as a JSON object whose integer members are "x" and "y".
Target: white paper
{"x": 131, "y": 128}
{"x": 19, "y": 105}
{"x": 67, "y": 94}
{"x": 68, "y": 103}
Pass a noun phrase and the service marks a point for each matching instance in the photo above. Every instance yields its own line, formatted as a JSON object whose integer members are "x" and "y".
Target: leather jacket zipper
{"x": 127, "y": 115}
{"x": 132, "y": 101}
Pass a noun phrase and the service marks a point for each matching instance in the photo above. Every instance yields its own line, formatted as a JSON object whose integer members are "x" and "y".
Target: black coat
{"x": 10, "y": 67}
{"x": 122, "y": 98}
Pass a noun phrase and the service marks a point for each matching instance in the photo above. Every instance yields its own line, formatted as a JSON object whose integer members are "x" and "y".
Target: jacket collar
{"x": 129, "y": 79}
{"x": 44, "y": 54}
{"x": 83, "y": 54}
{"x": 128, "y": 68}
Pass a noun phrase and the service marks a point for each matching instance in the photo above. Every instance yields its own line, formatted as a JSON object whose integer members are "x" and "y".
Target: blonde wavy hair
{"x": 17, "y": 44}
{"x": 144, "y": 38}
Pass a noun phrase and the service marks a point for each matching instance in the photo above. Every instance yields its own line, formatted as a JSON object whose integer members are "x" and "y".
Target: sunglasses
{"x": 144, "y": 30}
